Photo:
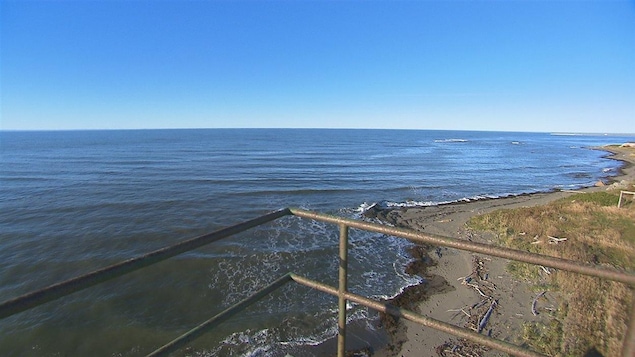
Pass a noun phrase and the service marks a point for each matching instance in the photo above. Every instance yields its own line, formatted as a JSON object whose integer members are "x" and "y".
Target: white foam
{"x": 413, "y": 204}
{"x": 451, "y": 141}
{"x": 364, "y": 207}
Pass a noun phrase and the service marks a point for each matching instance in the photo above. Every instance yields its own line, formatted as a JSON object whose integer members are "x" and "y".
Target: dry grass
{"x": 593, "y": 312}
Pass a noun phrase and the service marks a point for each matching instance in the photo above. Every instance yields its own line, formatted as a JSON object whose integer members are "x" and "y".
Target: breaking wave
{"x": 451, "y": 141}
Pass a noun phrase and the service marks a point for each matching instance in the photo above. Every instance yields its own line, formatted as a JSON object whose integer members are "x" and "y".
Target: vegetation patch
{"x": 585, "y": 227}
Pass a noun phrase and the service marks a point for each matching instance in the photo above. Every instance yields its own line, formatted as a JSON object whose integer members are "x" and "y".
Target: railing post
{"x": 341, "y": 319}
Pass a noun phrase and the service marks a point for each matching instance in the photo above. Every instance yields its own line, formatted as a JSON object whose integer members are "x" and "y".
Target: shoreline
{"x": 442, "y": 296}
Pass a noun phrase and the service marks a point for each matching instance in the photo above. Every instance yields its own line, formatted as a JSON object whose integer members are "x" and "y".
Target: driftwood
{"x": 545, "y": 270}
{"x": 555, "y": 240}
{"x": 483, "y": 322}
{"x": 479, "y": 304}
{"x": 477, "y": 289}
{"x": 533, "y": 304}
{"x": 460, "y": 310}
{"x": 552, "y": 240}
{"x": 478, "y": 279}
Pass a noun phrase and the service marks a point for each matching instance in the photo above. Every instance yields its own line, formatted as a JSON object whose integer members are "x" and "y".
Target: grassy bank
{"x": 587, "y": 227}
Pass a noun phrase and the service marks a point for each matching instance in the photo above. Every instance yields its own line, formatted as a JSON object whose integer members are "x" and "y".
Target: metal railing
{"x": 56, "y": 291}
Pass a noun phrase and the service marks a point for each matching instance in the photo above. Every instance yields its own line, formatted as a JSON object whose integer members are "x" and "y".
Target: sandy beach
{"x": 445, "y": 297}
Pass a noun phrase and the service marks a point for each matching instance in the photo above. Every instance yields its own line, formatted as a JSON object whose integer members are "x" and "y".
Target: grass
{"x": 593, "y": 312}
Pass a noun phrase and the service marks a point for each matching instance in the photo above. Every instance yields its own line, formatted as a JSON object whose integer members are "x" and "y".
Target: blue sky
{"x": 464, "y": 65}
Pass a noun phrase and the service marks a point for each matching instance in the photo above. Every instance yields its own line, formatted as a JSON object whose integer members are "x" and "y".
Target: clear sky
{"x": 465, "y": 65}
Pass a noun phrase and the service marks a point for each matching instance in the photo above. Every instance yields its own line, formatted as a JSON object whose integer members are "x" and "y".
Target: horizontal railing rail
{"x": 487, "y": 249}
{"x": 56, "y": 291}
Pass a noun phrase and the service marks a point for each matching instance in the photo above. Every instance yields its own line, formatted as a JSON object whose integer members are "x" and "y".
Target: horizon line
{"x": 555, "y": 133}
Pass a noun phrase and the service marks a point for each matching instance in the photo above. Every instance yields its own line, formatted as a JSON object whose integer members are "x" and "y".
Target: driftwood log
{"x": 533, "y": 304}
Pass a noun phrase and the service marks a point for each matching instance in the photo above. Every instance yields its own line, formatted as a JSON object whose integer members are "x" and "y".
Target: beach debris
{"x": 533, "y": 304}
{"x": 555, "y": 240}
{"x": 438, "y": 252}
{"x": 461, "y": 348}
{"x": 477, "y": 289}
{"x": 545, "y": 270}
{"x": 477, "y": 316}
{"x": 460, "y": 310}
{"x": 479, "y": 304}
{"x": 536, "y": 240}
{"x": 478, "y": 279}
{"x": 483, "y": 321}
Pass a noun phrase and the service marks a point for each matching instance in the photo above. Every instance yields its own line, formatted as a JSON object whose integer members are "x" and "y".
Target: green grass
{"x": 545, "y": 338}
{"x": 599, "y": 198}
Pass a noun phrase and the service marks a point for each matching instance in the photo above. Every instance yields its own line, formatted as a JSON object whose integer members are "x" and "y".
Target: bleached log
{"x": 477, "y": 289}
{"x": 545, "y": 270}
{"x": 556, "y": 240}
{"x": 459, "y": 310}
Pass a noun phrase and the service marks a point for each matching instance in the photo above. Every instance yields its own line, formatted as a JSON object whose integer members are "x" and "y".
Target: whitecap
{"x": 450, "y": 141}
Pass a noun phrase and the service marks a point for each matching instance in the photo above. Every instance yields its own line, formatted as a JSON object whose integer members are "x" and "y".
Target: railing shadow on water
{"x": 59, "y": 290}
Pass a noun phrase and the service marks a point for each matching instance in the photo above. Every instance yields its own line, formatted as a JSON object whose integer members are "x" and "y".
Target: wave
{"x": 415, "y": 204}
{"x": 451, "y": 141}
{"x": 566, "y": 134}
